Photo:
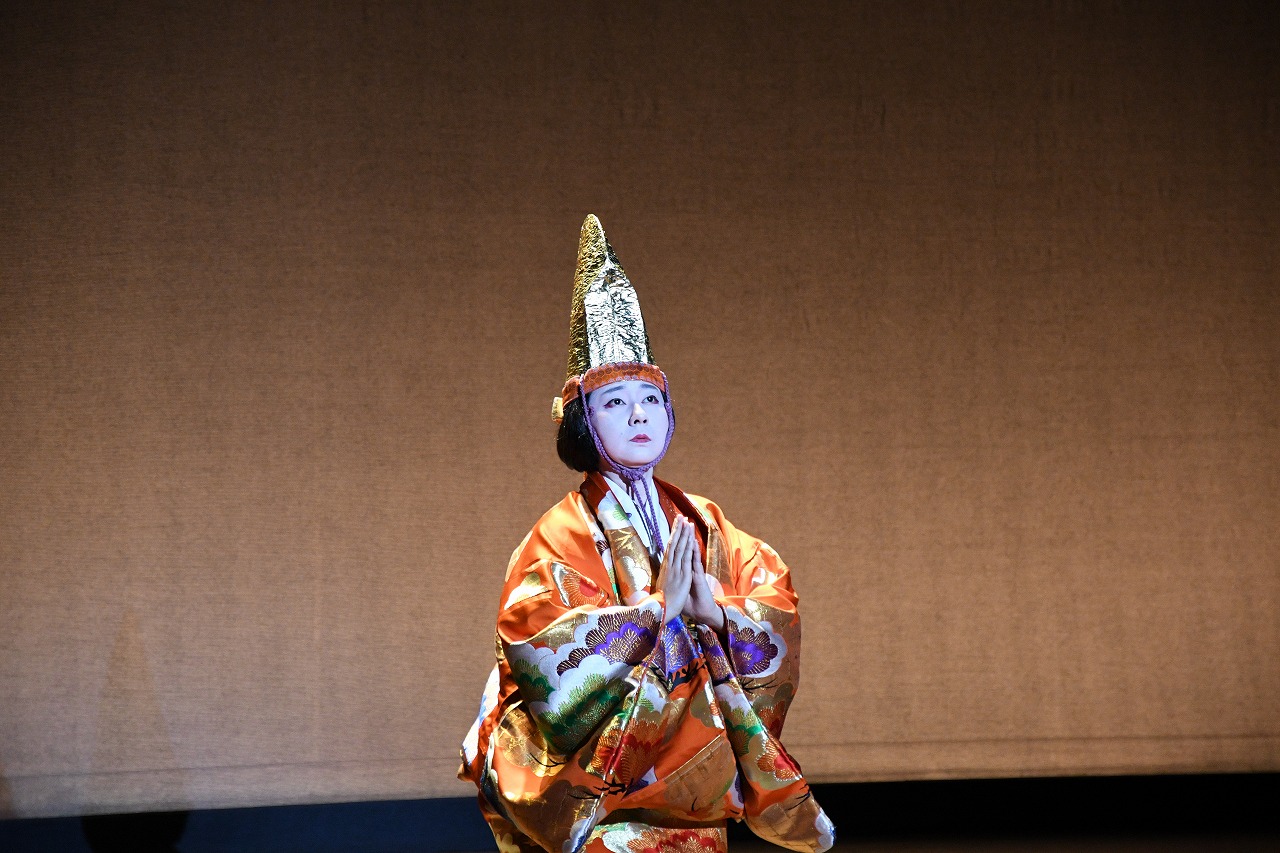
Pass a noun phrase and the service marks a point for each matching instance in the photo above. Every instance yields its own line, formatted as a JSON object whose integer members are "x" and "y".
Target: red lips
{"x": 642, "y": 439}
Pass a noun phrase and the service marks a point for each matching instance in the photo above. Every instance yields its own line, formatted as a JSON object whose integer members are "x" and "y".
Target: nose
{"x": 637, "y": 415}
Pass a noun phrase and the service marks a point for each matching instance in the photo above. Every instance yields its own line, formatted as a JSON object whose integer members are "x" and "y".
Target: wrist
{"x": 719, "y": 619}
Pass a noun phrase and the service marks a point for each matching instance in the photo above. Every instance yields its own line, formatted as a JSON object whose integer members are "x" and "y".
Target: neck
{"x": 645, "y": 481}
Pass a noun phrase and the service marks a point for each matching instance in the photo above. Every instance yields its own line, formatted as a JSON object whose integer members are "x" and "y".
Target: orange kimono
{"x": 602, "y": 728}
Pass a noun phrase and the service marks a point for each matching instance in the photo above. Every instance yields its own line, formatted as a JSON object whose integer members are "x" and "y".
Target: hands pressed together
{"x": 683, "y": 581}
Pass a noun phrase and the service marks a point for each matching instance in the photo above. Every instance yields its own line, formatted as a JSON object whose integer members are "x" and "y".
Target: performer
{"x": 647, "y": 649}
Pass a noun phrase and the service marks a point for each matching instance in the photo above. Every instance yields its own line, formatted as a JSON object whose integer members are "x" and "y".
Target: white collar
{"x": 633, "y": 512}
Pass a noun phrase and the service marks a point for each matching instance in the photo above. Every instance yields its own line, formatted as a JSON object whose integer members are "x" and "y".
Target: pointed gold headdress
{"x": 607, "y": 338}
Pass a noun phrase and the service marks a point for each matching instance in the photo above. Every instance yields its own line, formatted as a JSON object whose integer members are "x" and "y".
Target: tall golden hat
{"x": 607, "y": 338}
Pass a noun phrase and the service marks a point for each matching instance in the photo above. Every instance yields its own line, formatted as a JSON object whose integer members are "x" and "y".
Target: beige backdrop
{"x": 970, "y": 310}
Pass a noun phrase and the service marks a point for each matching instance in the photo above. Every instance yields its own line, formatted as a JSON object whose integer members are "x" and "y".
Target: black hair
{"x": 573, "y": 441}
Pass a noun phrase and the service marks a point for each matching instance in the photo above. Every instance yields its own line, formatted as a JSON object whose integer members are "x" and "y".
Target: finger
{"x": 677, "y": 536}
{"x": 696, "y": 588}
{"x": 707, "y": 594}
{"x": 689, "y": 544}
{"x": 675, "y": 547}
{"x": 680, "y": 565}
{"x": 692, "y": 555}
{"x": 682, "y": 560}
{"x": 671, "y": 573}
{"x": 686, "y": 534}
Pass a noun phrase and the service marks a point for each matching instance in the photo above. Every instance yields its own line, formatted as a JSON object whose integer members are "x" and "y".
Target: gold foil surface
{"x": 605, "y": 324}
{"x": 796, "y": 824}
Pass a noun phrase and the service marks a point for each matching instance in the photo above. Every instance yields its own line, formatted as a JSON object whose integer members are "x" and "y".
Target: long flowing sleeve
{"x": 756, "y": 672}
{"x": 575, "y": 653}
{"x": 762, "y": 633}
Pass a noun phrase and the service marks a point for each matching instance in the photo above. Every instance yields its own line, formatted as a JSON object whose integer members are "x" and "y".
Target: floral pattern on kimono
{"x": 603, "y": 725}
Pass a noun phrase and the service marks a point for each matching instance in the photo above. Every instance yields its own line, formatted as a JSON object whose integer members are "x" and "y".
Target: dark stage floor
{"x": 1235, "y": 842}
{"x": 1130, "y": 814}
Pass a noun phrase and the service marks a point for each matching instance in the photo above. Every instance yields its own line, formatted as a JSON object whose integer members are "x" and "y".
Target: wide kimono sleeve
{"x": 762, "y": 634}
{"x": 574, "y": 653}
{"x": 756, "y": 667}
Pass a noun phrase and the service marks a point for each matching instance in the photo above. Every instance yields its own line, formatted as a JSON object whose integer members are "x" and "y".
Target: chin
{"x": 635, "y": 460}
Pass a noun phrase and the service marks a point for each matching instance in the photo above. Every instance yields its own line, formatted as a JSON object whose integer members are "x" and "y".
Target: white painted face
{"x": 631, "y": 421}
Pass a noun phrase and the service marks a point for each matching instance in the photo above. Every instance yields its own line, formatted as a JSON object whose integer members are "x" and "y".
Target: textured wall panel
{"x": 971, "y": 310}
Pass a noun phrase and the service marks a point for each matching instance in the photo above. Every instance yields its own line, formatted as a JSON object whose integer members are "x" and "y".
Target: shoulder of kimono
{"x": 705, "y": 506}
{"x": 742, "y": 546}
{"x": 708, "y": 508}
{"x": 562, "y": 535}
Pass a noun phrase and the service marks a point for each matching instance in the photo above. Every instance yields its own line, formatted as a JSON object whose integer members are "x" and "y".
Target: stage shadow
{"x": 148, "y": 832}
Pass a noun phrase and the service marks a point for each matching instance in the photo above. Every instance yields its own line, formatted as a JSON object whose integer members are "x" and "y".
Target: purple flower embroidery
{"x": 630, "y": 643}
{"x": 751, "y": 650}
{"x": 677, "y": 651}
{"x": 717, "y": 663}
{"x": 617, "y": 639}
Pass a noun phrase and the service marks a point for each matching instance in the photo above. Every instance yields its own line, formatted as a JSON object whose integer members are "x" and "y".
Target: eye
{"x": 613, "y": 401}
{"x": 652, "y": 398}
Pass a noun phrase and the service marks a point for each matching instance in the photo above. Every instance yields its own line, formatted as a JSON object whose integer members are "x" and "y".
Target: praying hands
{"x": 683, "y": 580}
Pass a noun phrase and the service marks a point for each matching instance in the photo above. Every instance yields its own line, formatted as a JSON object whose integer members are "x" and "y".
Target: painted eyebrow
{"x": 609, "y": 389}
{"x": 649, "y": 388}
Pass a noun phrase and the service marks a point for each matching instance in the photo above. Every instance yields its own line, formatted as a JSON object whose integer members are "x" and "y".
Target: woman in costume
{"x": 647, "y": 649}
